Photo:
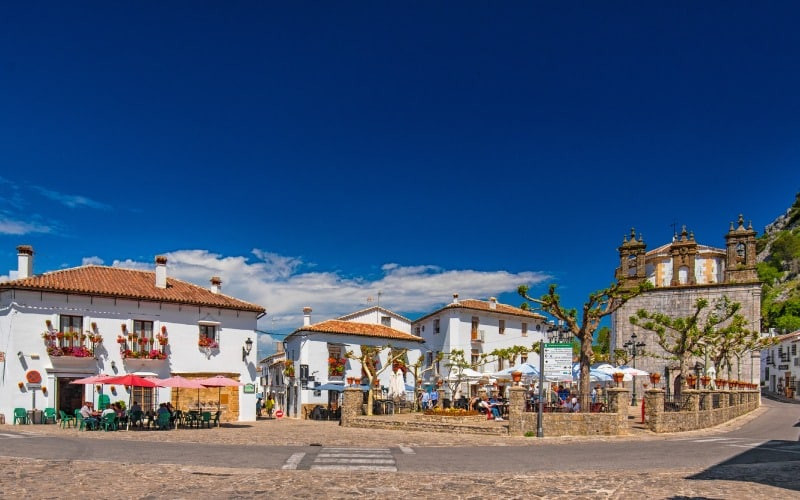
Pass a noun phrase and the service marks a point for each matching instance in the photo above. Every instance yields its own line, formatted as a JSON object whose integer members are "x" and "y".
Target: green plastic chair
{"x": 135, "y": 418}
{"x": 82, "y": 423}
{"x": 110, "y": 422}
{"x": 163, "y": 421}
{"x": 66, "y": 420}
{"x": 49, "y": 414}
{"x": 206, "y": 419}
{"x": 21, "y": 416}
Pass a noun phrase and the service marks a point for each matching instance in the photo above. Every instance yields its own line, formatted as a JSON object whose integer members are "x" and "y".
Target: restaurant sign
{"x": 249, "y": 388}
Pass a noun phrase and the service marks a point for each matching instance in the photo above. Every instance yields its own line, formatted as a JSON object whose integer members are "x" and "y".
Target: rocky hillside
{"x": 779, "y": 269}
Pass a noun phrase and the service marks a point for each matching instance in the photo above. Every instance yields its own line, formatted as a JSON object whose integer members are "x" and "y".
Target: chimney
{"x": 492, "y": 303}
{"x": 216, "y": 284}
{"x": 161, "y": 271}
{"x": 24, "y": 261}
{"x": 306, "y": 316}
{"x": 455, "y": 298}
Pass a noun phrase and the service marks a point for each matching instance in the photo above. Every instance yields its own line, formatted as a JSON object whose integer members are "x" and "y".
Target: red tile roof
{"x": 482, "y": 305}
{"x": 128, "y": 284}
{"x": 361, "y": 329}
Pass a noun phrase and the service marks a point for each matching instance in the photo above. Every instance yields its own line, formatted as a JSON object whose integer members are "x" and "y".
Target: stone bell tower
{"x": 740, "y": 255}
{"x": 631, "y": 270}
{"x": 684, "y": 254}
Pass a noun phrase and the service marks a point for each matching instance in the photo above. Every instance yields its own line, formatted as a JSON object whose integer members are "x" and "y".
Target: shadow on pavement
{"x": 774, "y": 463}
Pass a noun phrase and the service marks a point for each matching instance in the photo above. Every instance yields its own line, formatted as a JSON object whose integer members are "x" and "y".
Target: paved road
{"x": 772, "y": 437}
{"x": 756, "y": 460}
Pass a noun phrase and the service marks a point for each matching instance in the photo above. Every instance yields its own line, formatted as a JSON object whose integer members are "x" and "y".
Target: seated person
{"x": 110, "y": 410}
{"x": 162, "y": 408}
{"x": 121, "y": 417}
{"x": 491, "y": 408}
{"x": 88, "y": 415}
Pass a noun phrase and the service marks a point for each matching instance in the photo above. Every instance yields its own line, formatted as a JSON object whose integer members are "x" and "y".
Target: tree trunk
{"x": 585, "y": 360}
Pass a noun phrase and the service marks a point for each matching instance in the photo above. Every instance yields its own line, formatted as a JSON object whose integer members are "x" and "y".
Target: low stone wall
{"x": 480, "y": 426}
{"x": 698, "y": 412}
{"x": 439, "y": 419}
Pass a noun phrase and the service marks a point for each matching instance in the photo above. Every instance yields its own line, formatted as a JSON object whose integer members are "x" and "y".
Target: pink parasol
{"x": 178, "y": 382}
{"x": 219, "y": 381}
{"x": 94, "y": 379}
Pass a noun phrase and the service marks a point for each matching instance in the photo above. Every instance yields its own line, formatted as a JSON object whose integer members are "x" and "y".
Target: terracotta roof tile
{"x": 129, "y": 284}
{"x": 482, "y": 305}
{"x": 362, "y": 329}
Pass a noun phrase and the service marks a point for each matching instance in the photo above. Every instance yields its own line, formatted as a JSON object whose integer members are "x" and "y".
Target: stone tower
{"x": 684, "y": 254}
{"x": 740, "y": 258}
{"x": 631, "y": 270}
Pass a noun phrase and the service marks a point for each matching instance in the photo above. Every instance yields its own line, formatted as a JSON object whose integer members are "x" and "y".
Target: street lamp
{"x": 633, "y": 348}
{"x": 558, "y": 333}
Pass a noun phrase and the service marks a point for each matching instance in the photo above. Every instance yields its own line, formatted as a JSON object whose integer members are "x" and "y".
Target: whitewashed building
{"x": 315, "y": 353}
{"x": 67, "y": 324}
{"x": 477, "y": 327}
{"x": 780, "y": 365}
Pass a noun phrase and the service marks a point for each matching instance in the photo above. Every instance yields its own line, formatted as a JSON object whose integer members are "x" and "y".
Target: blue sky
{"x": 319, "y": 153}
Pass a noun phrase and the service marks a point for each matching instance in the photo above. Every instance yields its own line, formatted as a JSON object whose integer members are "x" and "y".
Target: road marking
{"x": 407, "y": 450}
{"x": 361, "y": 459}
{"x": 21, "y": 435}
{"x": 293, "y": 461}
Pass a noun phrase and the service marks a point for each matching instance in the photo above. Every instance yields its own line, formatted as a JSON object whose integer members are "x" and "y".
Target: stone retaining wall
{"x": 491, "y": 427}
{"x": 698, "y": 412}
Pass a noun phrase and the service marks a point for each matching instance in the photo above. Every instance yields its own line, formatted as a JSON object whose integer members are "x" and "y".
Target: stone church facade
{"x": 681, "y": 272}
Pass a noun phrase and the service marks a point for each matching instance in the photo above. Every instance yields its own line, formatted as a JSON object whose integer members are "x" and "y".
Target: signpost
{"x": 558, "y": 361}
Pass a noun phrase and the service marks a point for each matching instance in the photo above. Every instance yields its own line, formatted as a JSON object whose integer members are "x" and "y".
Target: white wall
{"x": 22, "y": 320}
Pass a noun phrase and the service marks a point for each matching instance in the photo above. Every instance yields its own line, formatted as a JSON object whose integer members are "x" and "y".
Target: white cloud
{"x": 17, "y": 227}
{"x": 284, "y": 285}
{"x": 70, "y": 200}
{"x": 95, "y": 260}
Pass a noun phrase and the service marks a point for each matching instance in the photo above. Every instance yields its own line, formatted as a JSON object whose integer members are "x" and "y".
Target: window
{"x": 436, "y": 326}
{"x": 71, "y": 324}
{"x": 500, "y": 364}
{"x": 429, "y": 359}
{"x": 208, "y": 335}
{"x": 437, "y": 362}
{"x": 144, "y": 396}
{"x": 475, "y": 358}
{"x": 386, "y": 321}
{"x": 523, "y": 358}
{"x": 524, "y": 330}
{"x": 474, "y": 331}
{"x": 416, "y": 331}
{"x": 794, "y": 349}
{"x": 337, "y": 364}
{"x": 502, "y": 328}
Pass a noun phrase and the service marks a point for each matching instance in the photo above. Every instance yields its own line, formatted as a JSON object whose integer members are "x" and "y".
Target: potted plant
{"x": 655, "y": 378}
{"x": 705, "y": 380}
{"x": 516, "y": 376}
{"x": 618, "y": 376}
{"x": 691, "y": 379}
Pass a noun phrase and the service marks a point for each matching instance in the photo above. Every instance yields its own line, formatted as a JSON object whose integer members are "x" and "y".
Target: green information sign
{"x": 558, "y": 361}
{"x": 249, "y": 388}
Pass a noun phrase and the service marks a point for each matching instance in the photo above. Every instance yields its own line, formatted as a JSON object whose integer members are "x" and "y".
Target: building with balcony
{"x": 72, "y": 323}
{"x": 780, "y": 364}
{"x": 477, "y": 327}
{"x": 316, "y": 354}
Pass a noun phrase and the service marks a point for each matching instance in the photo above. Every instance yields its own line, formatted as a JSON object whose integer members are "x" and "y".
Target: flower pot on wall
{"x": 618, "y": 376}
{"x": 516, "y": 376}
